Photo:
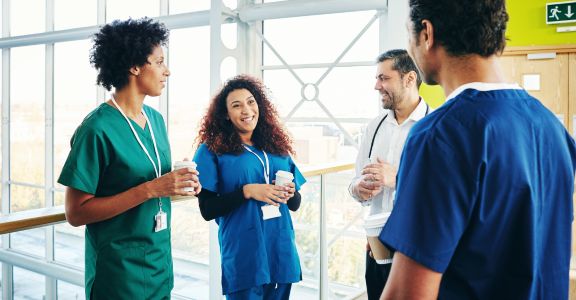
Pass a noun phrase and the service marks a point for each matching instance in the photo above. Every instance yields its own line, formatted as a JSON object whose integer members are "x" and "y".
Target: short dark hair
{"x": 463, "y": 26}
{"x": 401, "y": 62}
{"x": 121, "y": 45}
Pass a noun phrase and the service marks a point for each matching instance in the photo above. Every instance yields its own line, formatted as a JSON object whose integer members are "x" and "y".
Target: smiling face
{"x": 390, "y": 85}
{"x": 153, "y": 74}
{"x": 243, "y": 112}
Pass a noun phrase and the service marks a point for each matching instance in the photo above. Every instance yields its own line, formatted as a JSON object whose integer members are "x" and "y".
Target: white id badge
{"x": 270, "y": 211}
{"x": 160, "y": 221}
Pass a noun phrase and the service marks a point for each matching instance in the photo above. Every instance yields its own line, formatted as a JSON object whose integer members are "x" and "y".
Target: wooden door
{"x": 557, "y": 92}
{"x": 549, "y": 79}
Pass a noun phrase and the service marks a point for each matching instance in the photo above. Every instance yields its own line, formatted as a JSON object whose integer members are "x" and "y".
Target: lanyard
{"x": 265, "y": 167}
{"x": 380, "y": 124}
{"x": 157, "y": 168}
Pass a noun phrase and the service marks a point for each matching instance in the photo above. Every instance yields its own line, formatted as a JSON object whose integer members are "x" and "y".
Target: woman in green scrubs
{"x": 118, "y": 171}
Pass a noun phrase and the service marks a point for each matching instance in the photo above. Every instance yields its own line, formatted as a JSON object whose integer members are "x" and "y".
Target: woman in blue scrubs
{"x": 118, "y": 171}
{"x": 242, "y": 146}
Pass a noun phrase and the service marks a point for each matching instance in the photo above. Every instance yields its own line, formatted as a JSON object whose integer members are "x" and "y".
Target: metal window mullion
{"x": 216, "y": 7}
{"x": 7, "y": 269}
{"x": 51, "y": 283}
{"x": 184, "y": 20}
{"x": 300, "y": 8}
{"x": 320, "y": 65}
{"x": 26, "y": 184}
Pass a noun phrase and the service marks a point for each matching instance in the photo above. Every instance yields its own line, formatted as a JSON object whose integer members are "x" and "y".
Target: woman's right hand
{"x": 268, "y": 193}
{"x": 173, "y": 183}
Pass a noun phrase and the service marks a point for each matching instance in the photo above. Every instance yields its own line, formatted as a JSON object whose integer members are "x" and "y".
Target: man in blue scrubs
{"x": 484, "y": 191}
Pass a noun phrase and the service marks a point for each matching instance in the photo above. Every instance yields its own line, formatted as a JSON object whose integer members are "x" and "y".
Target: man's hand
{"x": 366, "y": 189}
{"x": 381, "y": 173}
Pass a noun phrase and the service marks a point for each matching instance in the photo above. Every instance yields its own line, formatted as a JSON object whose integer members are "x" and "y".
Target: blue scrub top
{"x": 484, "y": 195}
{"x": 253, "y": 251}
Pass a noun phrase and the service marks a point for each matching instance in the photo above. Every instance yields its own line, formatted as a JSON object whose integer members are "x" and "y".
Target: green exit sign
{"x": 560, "y": 12}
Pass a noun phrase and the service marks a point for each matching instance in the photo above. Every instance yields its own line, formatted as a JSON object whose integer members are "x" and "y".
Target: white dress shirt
{"x": 388, "y": 145}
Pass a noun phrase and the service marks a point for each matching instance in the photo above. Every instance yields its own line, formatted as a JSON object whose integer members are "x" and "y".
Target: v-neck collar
{"x": 142, "y": 130}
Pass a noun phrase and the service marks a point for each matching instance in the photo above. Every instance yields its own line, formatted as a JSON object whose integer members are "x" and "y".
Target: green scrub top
{"x": 125, "y": 258}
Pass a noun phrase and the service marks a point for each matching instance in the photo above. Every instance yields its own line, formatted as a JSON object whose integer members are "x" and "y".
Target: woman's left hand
{"x": 291, "y": 189}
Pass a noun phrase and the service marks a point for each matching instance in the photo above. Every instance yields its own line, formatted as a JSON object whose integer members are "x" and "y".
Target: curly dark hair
{"x": 220, "y": 135}
{"x": 121, "y": 45}
{"x": 463, "y": 26}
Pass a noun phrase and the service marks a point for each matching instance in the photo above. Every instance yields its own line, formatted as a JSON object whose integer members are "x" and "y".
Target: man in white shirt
{"x": 397, "y": 80}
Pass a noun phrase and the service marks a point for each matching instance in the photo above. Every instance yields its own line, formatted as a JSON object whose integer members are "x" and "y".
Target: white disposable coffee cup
{"x": 373, "y": 225}
{"x": 185, "y": 164}
{"x": 283, "y": 178}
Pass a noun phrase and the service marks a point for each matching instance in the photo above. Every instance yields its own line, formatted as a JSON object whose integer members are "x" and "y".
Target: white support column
{"x": 51, "y": 286}
{"x": 382, "y": 32}
{"x": 7, "y": 269}
{"x": 396, "y": 35}
{"x": 216, "y": 48}
{"x": 249, "y": 44}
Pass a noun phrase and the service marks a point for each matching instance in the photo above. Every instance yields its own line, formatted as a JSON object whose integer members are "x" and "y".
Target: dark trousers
{"x": 376, "y": 277}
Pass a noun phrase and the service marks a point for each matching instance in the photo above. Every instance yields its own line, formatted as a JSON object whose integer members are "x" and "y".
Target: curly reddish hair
{"x": 220, "y": 135}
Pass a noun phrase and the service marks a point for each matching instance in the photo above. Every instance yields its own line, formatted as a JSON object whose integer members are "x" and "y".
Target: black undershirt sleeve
{"x": 212, "y": 205}
{"x": 294, "y": 202}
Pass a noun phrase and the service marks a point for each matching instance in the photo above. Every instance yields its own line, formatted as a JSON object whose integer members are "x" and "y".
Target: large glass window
{"x": 345, "y": 93}
{"x": 27, "y": 127}
{"x": 325, "y": 128}
{"x": 69, "y": 245}
{"x": 189, "y": 87}
{"x": 30, "y": 241}
{"x": 67, "y": 291}
{"x": 304, "y": 40}
{"x": 1, "y": 132}
{"x": 28, "y": 285}
{"x": 132, "y": 9}
{"x": 188, "y": 90}
{"x": 74, "y": 97}
{"x": 74, "y": 13}
{"x": 184, "y": 6}
{"x": 27, "y": 17}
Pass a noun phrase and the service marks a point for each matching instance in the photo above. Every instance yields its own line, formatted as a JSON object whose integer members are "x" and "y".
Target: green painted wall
{"x": 527, "y": 27}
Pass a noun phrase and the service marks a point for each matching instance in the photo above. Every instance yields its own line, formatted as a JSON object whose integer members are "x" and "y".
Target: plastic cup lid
{"x": 284, "y": 174}
{"x": 185, "y": 163}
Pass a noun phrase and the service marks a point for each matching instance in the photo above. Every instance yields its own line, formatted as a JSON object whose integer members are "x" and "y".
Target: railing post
{"x": 324, "y": 286}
